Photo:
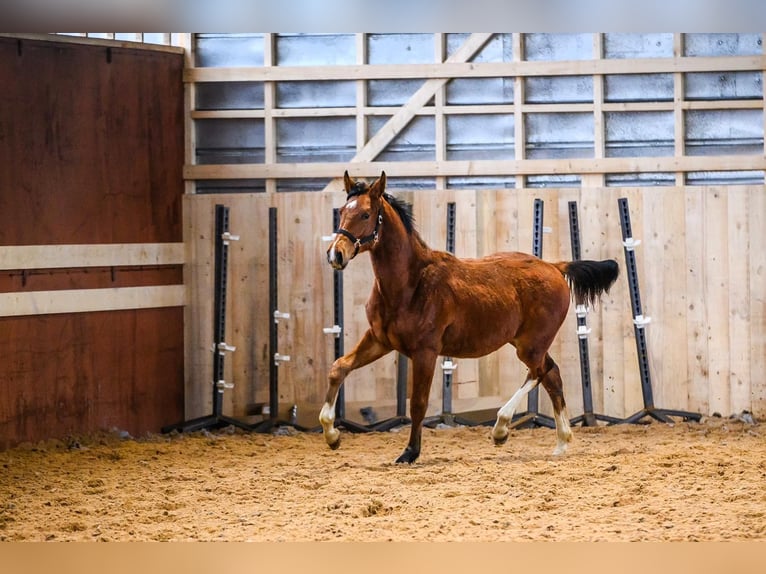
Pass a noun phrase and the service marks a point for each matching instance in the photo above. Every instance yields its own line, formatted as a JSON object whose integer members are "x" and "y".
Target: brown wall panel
{"x": 91, "y": 144}
{"x": 85, "y": 372}
{"x": 91, "y": 152}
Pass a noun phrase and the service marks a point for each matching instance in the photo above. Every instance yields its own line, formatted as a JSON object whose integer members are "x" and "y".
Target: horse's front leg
{"x": 423, "y": 364}
{"x": 367, "y": 350}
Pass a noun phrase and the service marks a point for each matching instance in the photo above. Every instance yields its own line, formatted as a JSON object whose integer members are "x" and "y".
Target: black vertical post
{"x": 337, "y": 295}
{"x": 273, "y": 307}
{"x": 588, "y": 418}
{"x": 533, "y": 416}
{"x": 274, "y": 315}
{"x": 639, "y": 323}
{"x": 221, "y": 260}
{"x": 220, "y": 348}
{"x": 447, "y": 372}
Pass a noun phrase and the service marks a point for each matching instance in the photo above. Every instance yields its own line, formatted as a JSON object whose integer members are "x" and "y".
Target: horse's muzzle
{"x": 335, "y": 259}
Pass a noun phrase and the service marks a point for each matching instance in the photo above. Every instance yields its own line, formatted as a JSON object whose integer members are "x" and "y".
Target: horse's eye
{"x": 365, "y": 216}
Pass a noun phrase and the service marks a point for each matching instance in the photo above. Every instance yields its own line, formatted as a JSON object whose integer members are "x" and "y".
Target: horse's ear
{"x": 347, "y": 182}
{"x": 379, "y": 186}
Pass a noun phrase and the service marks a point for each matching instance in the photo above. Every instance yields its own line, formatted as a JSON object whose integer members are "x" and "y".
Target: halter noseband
{"x": 358, "y": 189}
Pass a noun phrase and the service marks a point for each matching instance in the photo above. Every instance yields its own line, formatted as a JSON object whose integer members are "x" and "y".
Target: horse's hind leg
{"x": 505, "y": 414}
{"x": 367, "y": 350}
{"x": 551, "y": 382}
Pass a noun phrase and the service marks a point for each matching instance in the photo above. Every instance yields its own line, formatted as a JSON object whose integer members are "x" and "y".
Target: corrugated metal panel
{"x": 315, "y": 139}
{"x": 637, "y": 134}
{"x": 722, "y": 45}
{"x": 223, "y": 141}
{"x": 623, "y": 46}
{"x": 559, "y": 135}
{"x": 560, "y": 89}
{"x": 315, "y": 49}
{"x": 711, "y": 132}
{"x": 229, "y": 50}
{"x": 638, "y": 88}
{"x": 479, "y": 136}
{"x": 550, "y": 47}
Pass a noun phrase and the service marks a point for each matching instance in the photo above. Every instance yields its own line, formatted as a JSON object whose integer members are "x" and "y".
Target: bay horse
{"x": 425, "y": 303}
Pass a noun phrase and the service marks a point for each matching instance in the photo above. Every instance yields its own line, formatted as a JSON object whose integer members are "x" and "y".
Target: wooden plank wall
{"x": 702, "y": 273}
{"x": 91, "y": 253}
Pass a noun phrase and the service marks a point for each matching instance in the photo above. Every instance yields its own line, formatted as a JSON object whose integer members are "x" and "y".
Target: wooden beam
{"x": 90, "y": 300}
{"x": 96, "y": 255}
{"x": 420, "y": 98}
{"x": 95, "y": 42}
{"x": 455, "y": 68}
{"x": 478, "y": 167}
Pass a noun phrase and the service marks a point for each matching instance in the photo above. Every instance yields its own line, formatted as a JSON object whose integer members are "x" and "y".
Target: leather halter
{"x": 358, "y": 189}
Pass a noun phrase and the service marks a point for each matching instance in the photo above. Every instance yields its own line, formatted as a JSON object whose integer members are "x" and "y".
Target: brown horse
{"x": 426, "y": 303}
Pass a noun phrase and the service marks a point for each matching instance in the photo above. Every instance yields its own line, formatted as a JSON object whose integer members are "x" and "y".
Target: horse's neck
{"x": 396, "y": 262}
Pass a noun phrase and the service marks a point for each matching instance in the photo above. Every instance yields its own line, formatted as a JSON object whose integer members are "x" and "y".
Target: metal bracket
{"x": 280, "y": 315}
{"x": 640, "y": 321}
{"x": 224, "y": 348}
{"x": 630, "y": 244}
{"x": 448, "y": 365}
{"x": 334, "y": 330}
{"x": 226, "y": 236}
{"x": 583, "y": 331}
{"x": 581, "y": 311}
{"x": 280, "y": 358}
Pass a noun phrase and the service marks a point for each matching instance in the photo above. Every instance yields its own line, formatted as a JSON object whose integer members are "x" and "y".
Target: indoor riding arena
{"x": 185, "y": 274}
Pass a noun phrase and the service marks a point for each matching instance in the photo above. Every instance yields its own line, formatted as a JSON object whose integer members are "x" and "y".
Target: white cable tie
{"x": 223, "y": 385}
{"x": 630, "y": 244}
{"x": 280, "y": 358}
{"x": 280, "y": 315}
{"x": 329, "y": 237}
{"x": 640, "y": 321}
{"x": 334, "y": 330}
{"x": 547, "y": 229}
{"x": 581, "y": 310}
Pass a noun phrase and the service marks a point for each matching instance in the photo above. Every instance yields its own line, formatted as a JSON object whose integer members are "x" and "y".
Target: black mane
{"x": 403, "y": 210}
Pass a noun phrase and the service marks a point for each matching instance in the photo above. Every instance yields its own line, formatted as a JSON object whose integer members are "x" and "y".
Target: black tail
{"x": 588, "y": 280}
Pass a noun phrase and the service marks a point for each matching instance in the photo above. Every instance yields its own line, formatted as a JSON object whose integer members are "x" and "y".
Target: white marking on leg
{"x": 563, "y": 432}
{"x": 505, "y": 414}
{"x": 327, "y": 420}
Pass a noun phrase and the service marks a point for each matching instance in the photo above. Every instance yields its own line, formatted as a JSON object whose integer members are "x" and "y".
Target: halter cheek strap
{"x": 359, "y": 241}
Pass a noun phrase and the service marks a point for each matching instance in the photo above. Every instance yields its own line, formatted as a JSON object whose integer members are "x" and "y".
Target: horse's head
{"x": 360, "y": 220}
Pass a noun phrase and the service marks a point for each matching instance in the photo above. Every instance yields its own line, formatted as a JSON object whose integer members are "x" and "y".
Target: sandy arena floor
{"x": 626, "y": 483}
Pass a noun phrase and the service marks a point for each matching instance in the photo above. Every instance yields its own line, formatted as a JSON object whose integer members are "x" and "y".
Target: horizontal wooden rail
{"x": 106, "y": 42}
{"x": 491, "y": 109}
{"x": 96, "y": 255}
{"x": 467, "y": 168}
{"x": 89, "y": 300}
{"x": 446, "y": 70}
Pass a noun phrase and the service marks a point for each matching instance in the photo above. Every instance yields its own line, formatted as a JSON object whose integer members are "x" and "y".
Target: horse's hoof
{"x": 500, "y": 441}
{"x": 335, "y": 445}
{"x": 407, "y": 457}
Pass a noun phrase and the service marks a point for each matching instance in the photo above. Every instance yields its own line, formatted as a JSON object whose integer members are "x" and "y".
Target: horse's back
{"x": 490, "y": 299}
